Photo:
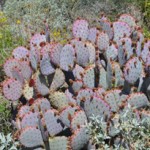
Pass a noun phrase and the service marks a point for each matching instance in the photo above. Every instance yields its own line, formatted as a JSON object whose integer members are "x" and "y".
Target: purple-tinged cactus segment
{"x": 58, "y": 80}
{"x": 97, "y": 106}
{"x": 52, "y": 123}
{"x": 59, "y": 143}
{"x": 12, "y": 89}
{"x": 23, "y": 110}
{"x": 121, "y": 29}
{"x": 21, "y": 53}
{"x": 140, "y": 38}
{"x": 29, "y": 120}
{"x": 138, "y": 100}
{"x": 89, "y": 77}
{"x": 47, "y": 48}
{"x": 107, "y": 27}
{"x": 41, "y": 105}
{"x": 119, "y": 79}
{"x": 25, "y": 70}
{"x": 80, "y": 29}
{"x": 36, "y": 40}
{"x": 34, "y": 59}
{"x": 9, "y": 65}
{"x": 83, "y": 95}
{"x": 45, "y": 65}
{"x": 16, "y": 73}
{"x": 79, "y": 139}
{"x": 102, "y": 41}
{"x": 82, "y": 54}
{"x": 77, "y": 85}
{"x": 112, "y": 52}
{"x": 127, "y": 46}
{"x": 78, "y": 120}
{"x": 59, "y": 100}
{"x": 114, "y": 99}
{"x": 77, "y": 71}
{"x": 147, "y": 64}
{"x": 70, "y": 97}
{"x": 55, "y": 54}
{"x": 40, "y": 87}
{"x": 67, "y": 113}
{"x": 128, "y": 19}
{"x": 28, "y": 92}
{"x": 67, "y": 57}
{"x": 102, "y": 78}
{"x": 99, "y": 92}
{"x": 92, "y": 52}
{"x": 133, "y": 70}
{"x": 145, "y": 51}
{"x": 31, "y": 137}
{"x": 92, "y": 34}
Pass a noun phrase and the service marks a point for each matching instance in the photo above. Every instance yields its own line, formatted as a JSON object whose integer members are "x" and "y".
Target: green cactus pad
{"x": 59, "y": 100}
{"x": 59, "y": 143}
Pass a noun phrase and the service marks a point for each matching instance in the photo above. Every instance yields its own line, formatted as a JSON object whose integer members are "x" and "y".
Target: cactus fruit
{"x": 96, "y": 73}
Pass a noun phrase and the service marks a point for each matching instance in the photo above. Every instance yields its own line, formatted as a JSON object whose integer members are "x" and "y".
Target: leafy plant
{"x": 7, "y": 142}
{"x": 133, "y": 133}
{"x": 5, "y": 117}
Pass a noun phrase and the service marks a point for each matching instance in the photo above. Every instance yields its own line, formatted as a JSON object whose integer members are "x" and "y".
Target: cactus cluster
{"x": 98, "y": 72}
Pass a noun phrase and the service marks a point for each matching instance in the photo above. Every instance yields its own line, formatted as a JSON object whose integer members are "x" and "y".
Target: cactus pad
{"x": 30, "y": 119}
{"x": 77, "y": 71}
{"x": 9, "y": 65}
{"x": 78, "y": 120}
{"x": 96, "y": 106}
{"x": 52, "y": 123}
{"x": 138, "y": 100}
{"x": 21, "y": 53}
{"x": 58, "y": 80}
{"x": 128, "y": 19}
{"x": 89, "y": 77}
{"x": 59, "y": 143}
{"x": 59, "y": 100}
{"x": 12, "y": 89}
{"x": 79, "y": 139}
{"x": 80, "y": 29}
{"x": 103, "y": 41}
{"x": 121, "y": 29}
{"x": 67, "y": 57}
{"x": 67, "y": 114}
{"x": 45, "y": 65}
{"x": 31, "y": 137}
{"x": 133, "y": 70}
{"x": 41, "y": 105}
{"x": 28, "y": 91}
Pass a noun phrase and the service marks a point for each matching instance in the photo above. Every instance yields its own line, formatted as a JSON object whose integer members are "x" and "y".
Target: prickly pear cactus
{"x": 59, "y": 87}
